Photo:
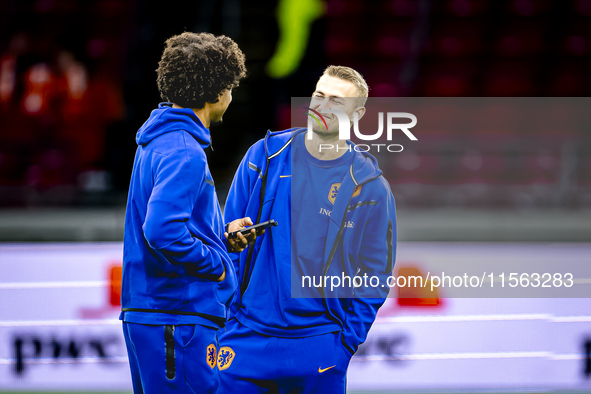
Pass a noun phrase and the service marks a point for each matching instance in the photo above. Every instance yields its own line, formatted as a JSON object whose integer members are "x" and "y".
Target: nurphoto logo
{"x": 344, "y": 126}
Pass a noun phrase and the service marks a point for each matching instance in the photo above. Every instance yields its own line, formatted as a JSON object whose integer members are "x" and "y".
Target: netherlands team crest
{"x": 357, "y": 191}
{"x": 211, "y": 356}
{"x": 332, "y": 193}
{"x": 225, "y": 357}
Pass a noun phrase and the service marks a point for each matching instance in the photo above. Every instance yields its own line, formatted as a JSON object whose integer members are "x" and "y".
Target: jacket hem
{"x": 220, "y": 321}
{"x": 287, "y": 333}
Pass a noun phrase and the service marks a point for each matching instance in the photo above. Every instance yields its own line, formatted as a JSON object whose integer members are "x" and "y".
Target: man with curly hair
{"x": 178, "y": 278}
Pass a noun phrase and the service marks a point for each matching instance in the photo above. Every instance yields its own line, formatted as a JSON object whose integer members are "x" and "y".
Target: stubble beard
{"x": 323, "y": 133}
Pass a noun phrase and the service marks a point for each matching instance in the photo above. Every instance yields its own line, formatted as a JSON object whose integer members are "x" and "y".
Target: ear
{"x": 360, "y": 112}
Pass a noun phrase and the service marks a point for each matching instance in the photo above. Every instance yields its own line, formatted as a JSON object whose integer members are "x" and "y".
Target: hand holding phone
{"x": 257, "y": 227}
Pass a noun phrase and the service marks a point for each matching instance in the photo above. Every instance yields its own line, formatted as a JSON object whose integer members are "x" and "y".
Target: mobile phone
{"x": 257, "y": 227}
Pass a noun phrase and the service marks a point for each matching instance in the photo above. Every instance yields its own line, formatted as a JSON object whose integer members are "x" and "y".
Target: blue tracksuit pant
{"x": 250, "y": 362}
{"x": 172, "y": 359}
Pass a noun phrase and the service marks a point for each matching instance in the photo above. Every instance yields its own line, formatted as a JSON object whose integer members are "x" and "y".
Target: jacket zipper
{"x": 333, "y": 250}
{"x": 331, "y": 255}
{"x": 248, "y": 267}
{"x": 248, "y": 264}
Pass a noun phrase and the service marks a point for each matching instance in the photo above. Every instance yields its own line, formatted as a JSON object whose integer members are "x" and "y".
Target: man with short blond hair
{"x": 348, "y": 74}
{"x": 336, "y": 217}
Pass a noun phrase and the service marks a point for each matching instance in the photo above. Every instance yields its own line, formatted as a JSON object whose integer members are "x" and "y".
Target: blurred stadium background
{"x": 77, "y": 79}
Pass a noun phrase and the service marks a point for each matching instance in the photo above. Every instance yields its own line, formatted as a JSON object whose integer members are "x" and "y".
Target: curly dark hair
{"x": 196, "y": 68}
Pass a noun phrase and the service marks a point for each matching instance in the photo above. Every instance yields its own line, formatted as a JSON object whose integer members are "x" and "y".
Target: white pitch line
{"x": 51, "y": 323}
{"x": 468, "y": 356}
{"x": 53, "y": 285}
{"x": 560, "y": 357}
{"x": 477, "y": 318}
{"x": 81, "y": 360}
{"x": 462, "y": 318}
{"x": 116, "y": 247}
{"x": 402, "y": 357}
{"x": 570, "y": 319}
{"x": 579, "y": 281}
{"x": 379, "y": 320}
{"x": 458, "y": 356}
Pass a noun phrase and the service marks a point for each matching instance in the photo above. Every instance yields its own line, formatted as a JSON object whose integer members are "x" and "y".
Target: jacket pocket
{"x": 226, "y": 288}
{"x": 186, "y": 334}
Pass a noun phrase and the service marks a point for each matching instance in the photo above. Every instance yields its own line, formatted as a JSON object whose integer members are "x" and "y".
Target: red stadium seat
{"x": 401, "y": 8}
{"x": 570, "y": 79}
{"x": 466, "y": 8}
{"x": 452, "y": 79}
{"x": 520, "y": 40}
{"x": 509, "y": 79}
{"x": 528, "y": 8}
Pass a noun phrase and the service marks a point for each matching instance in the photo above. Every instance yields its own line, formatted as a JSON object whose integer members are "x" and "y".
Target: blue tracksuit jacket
{"x": 262, "y": 190}
{"x": 173, "y": 250}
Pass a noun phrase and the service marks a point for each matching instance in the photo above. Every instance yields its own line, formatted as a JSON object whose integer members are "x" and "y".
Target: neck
{"x": 326, "y": 147}
{"x": 203, "y": 114}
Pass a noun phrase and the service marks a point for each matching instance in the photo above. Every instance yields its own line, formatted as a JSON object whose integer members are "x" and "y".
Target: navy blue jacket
{"x": 262, "y": 190}
{"x": 173, "y": 245}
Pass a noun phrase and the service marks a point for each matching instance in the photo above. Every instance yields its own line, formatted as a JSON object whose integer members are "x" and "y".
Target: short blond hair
{"x": 348, "y": 74}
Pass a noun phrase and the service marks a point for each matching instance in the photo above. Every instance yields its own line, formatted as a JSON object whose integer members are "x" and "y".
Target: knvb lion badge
{"x": 211, "y": 356}
{"x": 332, "y": 193}
{"x": 225, "y": 357}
